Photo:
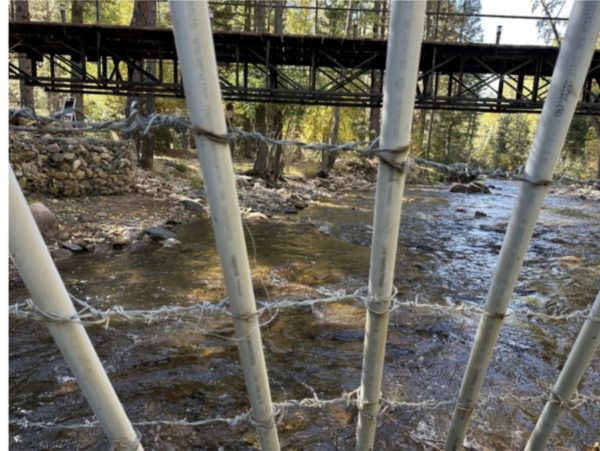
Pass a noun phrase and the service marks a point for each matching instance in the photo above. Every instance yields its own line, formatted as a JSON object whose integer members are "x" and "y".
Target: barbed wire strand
{"x": 144, "y": 124}
{"x": 135, "y": 122}
{"x": 90, "y": 315}
{"x": 349, "y": 399}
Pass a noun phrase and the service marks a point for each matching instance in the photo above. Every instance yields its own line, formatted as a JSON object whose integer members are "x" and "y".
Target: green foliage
{"x": 450, "y": 28}
{"x": 489, "y": 140}
{"x": 196, "y": 182}
{"x": 550, "y": 31}
{"x": 579, "y": 133}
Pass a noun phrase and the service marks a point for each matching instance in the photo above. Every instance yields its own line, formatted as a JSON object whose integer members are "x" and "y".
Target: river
{"x": 184, "y": 368}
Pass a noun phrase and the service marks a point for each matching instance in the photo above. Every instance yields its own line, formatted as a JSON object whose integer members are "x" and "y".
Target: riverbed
{"x": 184, "y": 368}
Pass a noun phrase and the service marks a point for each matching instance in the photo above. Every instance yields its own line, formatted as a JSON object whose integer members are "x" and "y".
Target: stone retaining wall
{"x": 72, "y": 166}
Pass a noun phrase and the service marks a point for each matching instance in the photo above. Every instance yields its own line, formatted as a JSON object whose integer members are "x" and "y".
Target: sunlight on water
{"x": 186, "y": 368}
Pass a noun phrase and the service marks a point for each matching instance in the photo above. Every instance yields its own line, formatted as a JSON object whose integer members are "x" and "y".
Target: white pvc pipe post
{"x": 48, "y": 292}
{"x": 577, "y": 363}
{"x": 399, "y": 90}
{"x": 567, "y": 80}
{"x": 194, "y": 42}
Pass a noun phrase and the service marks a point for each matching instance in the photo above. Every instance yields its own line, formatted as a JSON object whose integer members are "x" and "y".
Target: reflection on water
{"x": 173, "y": 370}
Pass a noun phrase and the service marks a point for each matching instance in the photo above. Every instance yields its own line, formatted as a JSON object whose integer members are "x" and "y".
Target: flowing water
{"x": 185, "y": 368}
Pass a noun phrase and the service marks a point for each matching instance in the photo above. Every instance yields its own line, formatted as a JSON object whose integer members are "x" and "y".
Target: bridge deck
{"x": 289, "y": 68}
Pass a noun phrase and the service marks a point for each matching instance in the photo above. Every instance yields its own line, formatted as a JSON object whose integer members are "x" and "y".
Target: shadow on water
{"x": 188, "y": 368}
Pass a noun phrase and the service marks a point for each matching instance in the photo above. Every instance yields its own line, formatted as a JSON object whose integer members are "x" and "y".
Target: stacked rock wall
{"x": 71, "y": 166}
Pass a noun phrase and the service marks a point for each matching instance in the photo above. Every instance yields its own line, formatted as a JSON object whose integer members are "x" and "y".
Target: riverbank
{"x": 173, "y": 194}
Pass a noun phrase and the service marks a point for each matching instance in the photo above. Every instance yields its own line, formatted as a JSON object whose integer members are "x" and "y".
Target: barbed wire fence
{"x": 90, "y": 315}
{"x": 93, "y": 316}
{"x": 136, "y": 123}
{"x": 144, "y": 124}
{"x": 347, "y": 399}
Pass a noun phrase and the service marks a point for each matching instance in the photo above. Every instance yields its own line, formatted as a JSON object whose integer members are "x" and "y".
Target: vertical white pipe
{"x": 579, "y": 359}
{"x": 194, "y": 42}
{"x": 399, "y": 90}
{"x": 47, "y": 290}
{"x": 567, "y": 80}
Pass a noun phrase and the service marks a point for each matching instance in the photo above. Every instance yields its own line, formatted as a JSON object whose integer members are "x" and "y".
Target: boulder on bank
{"x": 159, "y": 233}
{"x": 470, "y": 188}
{"x": 46, "y": 221}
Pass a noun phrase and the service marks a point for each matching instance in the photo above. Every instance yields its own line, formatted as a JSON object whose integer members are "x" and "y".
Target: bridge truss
{"x": 307, "y": 70}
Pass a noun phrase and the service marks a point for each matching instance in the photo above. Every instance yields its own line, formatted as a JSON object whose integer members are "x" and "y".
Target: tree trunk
{"x": 278, "y": 16}
{"x": 596, "y": 124}
{"x": 421, "y": 132}
{"x": 262, "y": 151}
{"x": 328, "y": 158}
{"x": 261, "y": 166}
{"x": 77, "y": 7}
{"x": 449, "y": 142}
{"x": 26, "y": 92}
{"x": 375, "y": 112}
{"x": 276, "y": 163}
{"x": 144, "y": 14}
{"x": 247, "y": 15}
{"x": 316, "y": 24}
{"x": 552, "y": 22}
{"x": 429, "y": 134}
{"x": 148, "y": 18}
{"x": 259, "y": 17}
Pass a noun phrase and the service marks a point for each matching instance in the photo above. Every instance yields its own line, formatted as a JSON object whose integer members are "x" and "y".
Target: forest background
{"x": 487, "y": 140}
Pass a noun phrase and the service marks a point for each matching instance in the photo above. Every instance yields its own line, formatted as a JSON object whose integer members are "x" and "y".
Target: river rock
{"x": 71, "y": 166}
{"x": 125, "y": 238}
{"x": 471, "y": 188}
{"x": 73, "y": 247}
{"x": 64, "y": 235}
{"x": 192, "y": 206}
{"x": 325, "y": 229}
{"x": 61, "y": 254}
{"x": 86, "y": 218}
{"x": 480, "y": 214}
{"x": 159, "y": 233}
{"x": 300, "y": 204}
{"x": 171, "y": 243}
{"x": 255, "y": 216}
{"x": 46, "y": 221}
{"x": 243, "y": 181}
{"x": 99, "y": 248}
